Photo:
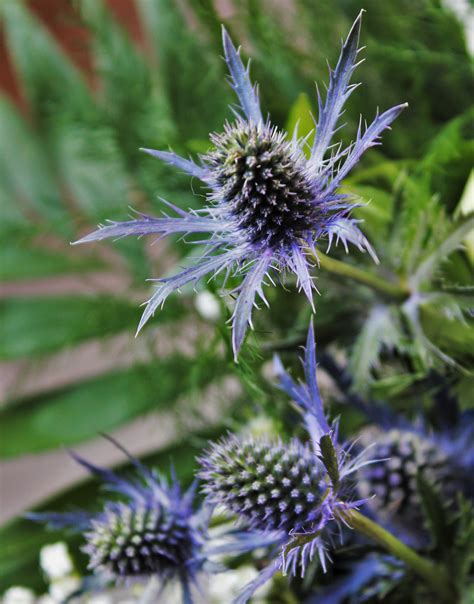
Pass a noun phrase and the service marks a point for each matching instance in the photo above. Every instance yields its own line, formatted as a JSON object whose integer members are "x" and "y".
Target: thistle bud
{"x": 126, "y": 541}
{"x": 405, "y": 456}
{"x": 269, "y": 485}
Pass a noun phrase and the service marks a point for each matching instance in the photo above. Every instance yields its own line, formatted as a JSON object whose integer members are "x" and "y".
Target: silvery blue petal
{"x": 168, "y": 286}
{"x": 251, "y": 285}
{"x": 338, "y": 93}
{"x": 180, "y": 162}
{"x": 148, "y": 225}
{"x": 366, "y": 140}
{"x": 240, "y": 81}
{"x": 346, "y": 231}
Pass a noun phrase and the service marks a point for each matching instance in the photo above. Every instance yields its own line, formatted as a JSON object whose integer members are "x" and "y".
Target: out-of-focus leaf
{"x": 376, "y": 211}
{"x": 22, "y": 260}
{"x": 380, "y": 329}
{"x": 50, "y": 80}
{"x": 132, "y": 101}
{"x": 454, "y": 337}
{"x": 191, "y": 75}
{"x": 21, "y": 539}
{"x": 65, "y": 417}
{"x": 300, "y": 120}
{"x": 436, "y": 515}
{"x": 394, "y": 385}
{"x": 25, "y": 175}
{"x": 37, "y": 326}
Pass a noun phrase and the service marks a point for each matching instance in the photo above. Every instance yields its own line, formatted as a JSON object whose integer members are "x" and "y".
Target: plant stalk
{"x": 391, "y": 290}
{"x": 433, "y": 574}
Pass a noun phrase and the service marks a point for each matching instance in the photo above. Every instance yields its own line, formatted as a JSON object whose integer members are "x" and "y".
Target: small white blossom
{"x": 60, "y": 589}
{"x": 56, "y": 561}
{"x": 207, "y": 306}
{"x": 18, "y": 595}
{"x": 226, "y": 586}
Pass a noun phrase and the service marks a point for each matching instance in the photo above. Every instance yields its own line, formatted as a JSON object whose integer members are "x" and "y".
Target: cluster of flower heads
{"x": 285, "y": 495}
{"x": 269, "y": 207}
{"x": 153, "y": 529}
{"x": 408, "y": 454}
{"x": 294, "y": 492}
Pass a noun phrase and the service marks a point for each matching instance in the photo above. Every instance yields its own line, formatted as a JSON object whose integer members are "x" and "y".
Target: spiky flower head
{"x": 271, "y": 485}
{"x": 406, "y": 456}
{"x": 269, "y": 207}
{"x": 290, "y": 491}
{"x": 152, "y": 530}
{"x": 147, "y": 540}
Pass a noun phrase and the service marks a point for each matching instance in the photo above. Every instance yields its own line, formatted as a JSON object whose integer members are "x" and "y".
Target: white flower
{"x": 100, "y": 599}
{"x": 46, "y": 599}
{"x": 226, "y": 586}
{"x": 207, "y": 306}
{"x": 56, "y": 561}
{"x": 60, "y": 589}
{"x": 18, "y": 595}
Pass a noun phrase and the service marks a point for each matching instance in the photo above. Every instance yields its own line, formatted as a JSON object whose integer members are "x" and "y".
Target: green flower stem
{"x": 433, "y": 574}
{"x": 392, "y": 290}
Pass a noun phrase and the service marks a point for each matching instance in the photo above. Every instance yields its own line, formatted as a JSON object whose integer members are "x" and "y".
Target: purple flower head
{"x": 406, "y": 456}
{"x": 269, "y": 206}
{"x": 151, "y": 529}
{"x": 292, "y": 491}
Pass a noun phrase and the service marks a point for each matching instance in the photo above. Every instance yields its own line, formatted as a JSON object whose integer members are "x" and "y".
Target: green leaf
{"x": 425, "y": 270}
{"x": 20, "y": 259}
{"x": 37, "y": 326}
{"x": 50, "y": 80}
{"x": 21, "y": 539}
{"x": 25, "y": 173}
{"x": 191, "y": 76}
{"x": 329, "y": 458}
{"x": 436, "y": 515}
{"x": 81, "y": 411}
{"x": 132, "y": 101}
{"x": 381, "y": 328}
{"x": 300, "y": 120}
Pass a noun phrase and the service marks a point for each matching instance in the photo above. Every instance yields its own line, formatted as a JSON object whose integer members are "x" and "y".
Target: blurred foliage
{"x": 73, "y": 161}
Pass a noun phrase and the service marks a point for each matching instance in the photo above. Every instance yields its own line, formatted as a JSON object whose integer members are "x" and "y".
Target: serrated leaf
{"x": 381, "y": 328}
{"x": 81, "y": 411}
{"x": 329, "y": 458}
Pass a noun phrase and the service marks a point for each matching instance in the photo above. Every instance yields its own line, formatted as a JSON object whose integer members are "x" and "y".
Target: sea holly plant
{"x": 301, "y": 494}
{"x": 148, "y": 531}
{"x": 269, "y": 207}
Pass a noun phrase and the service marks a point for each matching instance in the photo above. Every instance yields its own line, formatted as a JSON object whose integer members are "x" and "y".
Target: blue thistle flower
{"x": 153, "y": 530}
{"x": 290, "y": 492}
{"x": 269, "y": 207}
{"x": 407, "y": 454}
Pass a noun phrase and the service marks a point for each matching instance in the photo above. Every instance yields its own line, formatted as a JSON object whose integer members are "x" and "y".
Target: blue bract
{"x": 290, "y": 493}
{"x": 269, "y": 206}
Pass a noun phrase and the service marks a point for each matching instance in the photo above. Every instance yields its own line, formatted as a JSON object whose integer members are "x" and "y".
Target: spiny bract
{"x": 291, "y": 492}
{"x": 269, "y": 207}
